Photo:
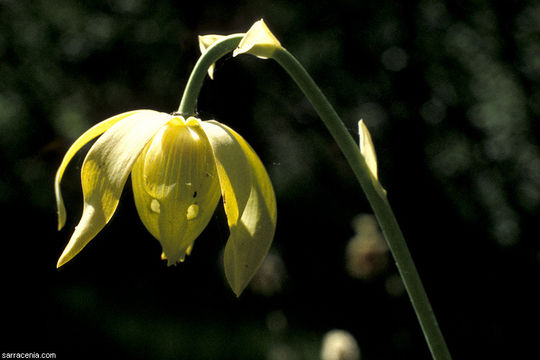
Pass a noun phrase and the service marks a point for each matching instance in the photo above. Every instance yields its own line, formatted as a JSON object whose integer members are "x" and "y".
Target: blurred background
{"x": 451, "y": 94}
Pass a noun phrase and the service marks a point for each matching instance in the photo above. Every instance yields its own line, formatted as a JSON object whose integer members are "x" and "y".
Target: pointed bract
{"x": 258, "y": 41}
{"x": 367, "y": 149}
{"x": 205, "y": 41}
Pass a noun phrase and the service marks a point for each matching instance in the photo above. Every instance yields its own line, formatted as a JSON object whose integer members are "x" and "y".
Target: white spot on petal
{"x": 155, "y": 206}
{"x": 192, "y": 211}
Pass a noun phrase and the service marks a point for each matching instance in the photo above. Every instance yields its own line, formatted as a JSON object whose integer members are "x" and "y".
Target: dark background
{"x": 450, "y": 92}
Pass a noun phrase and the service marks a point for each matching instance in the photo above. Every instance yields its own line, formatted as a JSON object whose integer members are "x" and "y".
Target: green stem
{"x": 193, "y": 87}
{"x": 374, "y": 192}
{"x": 377, "y": 198}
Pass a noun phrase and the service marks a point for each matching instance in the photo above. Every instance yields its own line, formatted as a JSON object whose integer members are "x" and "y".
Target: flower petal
{"x": 90, "y": 134}
{"x": 105, "y": 170}
{"x": 249, "y": 202}
{"x": 259, "y": 41}
{"x": 175, "y": 186}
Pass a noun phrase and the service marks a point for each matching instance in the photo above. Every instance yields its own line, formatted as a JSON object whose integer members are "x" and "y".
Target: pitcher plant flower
{"x": 179, "y": 170}
{"x": 180, "y": 167}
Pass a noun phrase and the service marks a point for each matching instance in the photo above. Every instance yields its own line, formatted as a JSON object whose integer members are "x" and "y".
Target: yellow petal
{"x": 175, "y": 186}
{"x": 367, "y": 149}
{"x": 258, "y": 41}
{"x": 249, "y": 202}
{"x": 104, "y": 173}
{"x": 90, "y": 134}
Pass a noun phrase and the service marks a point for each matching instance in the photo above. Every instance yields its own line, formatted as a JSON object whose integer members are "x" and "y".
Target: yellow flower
{"x": 179, "y": 169}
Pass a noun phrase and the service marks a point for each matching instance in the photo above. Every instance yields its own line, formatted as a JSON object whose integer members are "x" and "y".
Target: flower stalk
{"x": 377, "y": 199}
{"x": 358, "y": 161}
{"x": 213, "y": 53}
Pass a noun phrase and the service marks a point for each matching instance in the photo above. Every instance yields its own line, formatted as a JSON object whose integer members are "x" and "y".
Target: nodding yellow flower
{"x": 179, "y": 170}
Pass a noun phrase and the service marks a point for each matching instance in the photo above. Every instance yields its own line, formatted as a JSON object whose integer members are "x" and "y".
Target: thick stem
{"x": 193, "y": 87}
{"x": 377, "y": 198}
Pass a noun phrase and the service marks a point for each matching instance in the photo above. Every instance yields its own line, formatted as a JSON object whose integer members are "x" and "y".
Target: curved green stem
{"x": 196, "y": 79}
{"x": 374, "y": 192}
{"x": 377, "y": 198}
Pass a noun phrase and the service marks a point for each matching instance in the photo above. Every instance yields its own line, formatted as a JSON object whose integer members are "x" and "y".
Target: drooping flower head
{"x": 179, "y": 170}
